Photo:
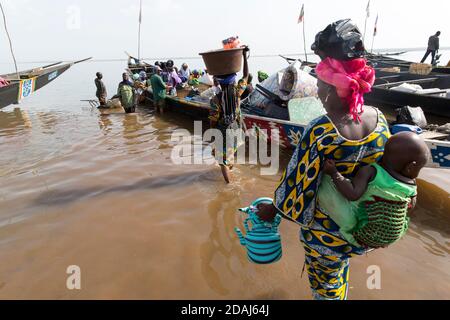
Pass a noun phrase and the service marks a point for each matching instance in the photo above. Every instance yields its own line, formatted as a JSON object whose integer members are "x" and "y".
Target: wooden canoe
{"x": 26, "y": 82}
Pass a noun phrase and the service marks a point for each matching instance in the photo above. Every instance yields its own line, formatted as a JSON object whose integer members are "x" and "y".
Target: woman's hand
{"x": 329, "y": 167}
{"x": 267, "y": 212}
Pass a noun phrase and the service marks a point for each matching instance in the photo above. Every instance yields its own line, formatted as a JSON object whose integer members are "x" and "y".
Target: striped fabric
{"x": 263, "y": 241}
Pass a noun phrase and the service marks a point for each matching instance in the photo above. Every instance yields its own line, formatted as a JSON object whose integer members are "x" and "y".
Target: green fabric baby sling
{"x": 378, "y": 218}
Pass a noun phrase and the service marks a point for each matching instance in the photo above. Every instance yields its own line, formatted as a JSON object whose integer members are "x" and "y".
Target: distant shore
{"x": 381, "y": 50}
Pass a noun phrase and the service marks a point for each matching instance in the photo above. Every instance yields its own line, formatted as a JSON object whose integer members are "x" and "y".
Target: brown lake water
{"x": 101, "y": 192}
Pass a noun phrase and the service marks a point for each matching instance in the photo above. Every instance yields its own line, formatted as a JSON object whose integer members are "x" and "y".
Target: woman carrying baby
{"x": 352, "y": 136}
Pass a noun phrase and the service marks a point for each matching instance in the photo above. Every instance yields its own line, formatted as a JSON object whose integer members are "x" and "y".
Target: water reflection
{"x": 430, "y": 222}
{"x": 14, "y": 122}
{"x": 48, "y": 121}
{"x": 105, "y": 123}
{"x": 220, "y": 250}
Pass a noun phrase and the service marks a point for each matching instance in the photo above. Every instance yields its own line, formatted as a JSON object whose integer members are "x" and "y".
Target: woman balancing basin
{"x": 225, "y": 114}
{"x": 351, "y": 135}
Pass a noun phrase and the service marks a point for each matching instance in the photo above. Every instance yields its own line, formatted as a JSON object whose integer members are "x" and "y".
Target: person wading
{"x": 101, "y": 89}
{"x": 126, "y": 94}
{"x": 159, "y": 89}
{"x": 225, "y": 116}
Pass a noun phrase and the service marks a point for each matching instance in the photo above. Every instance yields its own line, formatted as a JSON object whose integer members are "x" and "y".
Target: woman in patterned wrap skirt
{"x": 352, "y": 138}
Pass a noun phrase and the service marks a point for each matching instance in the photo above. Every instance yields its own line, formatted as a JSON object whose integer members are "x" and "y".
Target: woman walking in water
{"x": 351, "y": 136}
{"x": 225, "y": 116}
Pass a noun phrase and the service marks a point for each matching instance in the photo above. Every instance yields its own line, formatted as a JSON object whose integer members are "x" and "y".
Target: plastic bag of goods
{"x": 231, "y": 43}
{"x": 305, "y": 110}
{"x": 289, "y": 83}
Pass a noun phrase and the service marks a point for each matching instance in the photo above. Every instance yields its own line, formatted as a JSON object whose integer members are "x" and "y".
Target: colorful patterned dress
{"x": 226, "y": 114}
{"x": 327, "y": 253}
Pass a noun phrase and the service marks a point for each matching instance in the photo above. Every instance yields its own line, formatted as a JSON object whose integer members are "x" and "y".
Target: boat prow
{"x": 23, "y": 84}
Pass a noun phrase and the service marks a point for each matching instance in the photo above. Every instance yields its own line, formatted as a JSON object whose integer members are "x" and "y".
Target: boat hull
{"x": 14, "y": 93}
{"x": 395, "y": 99}
{"x": 289, "y": 133}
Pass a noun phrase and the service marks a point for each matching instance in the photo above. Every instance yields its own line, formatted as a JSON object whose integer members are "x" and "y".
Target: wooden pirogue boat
{"x": 383, "y": 61}
{"x": 290, "y": 133}
{"x": 26, "y": 82}
{"x": 432, "y": 101}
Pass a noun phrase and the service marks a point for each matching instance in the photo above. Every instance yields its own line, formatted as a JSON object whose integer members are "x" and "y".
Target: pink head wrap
{"x": 352, "y": 80}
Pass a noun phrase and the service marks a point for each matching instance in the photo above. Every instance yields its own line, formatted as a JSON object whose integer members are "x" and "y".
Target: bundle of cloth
{"x": 289, "y": 83}
{"x": 3, "y": 82}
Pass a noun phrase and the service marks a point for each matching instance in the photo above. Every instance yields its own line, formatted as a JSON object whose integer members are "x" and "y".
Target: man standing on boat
{"x": 433, "y": 48}
{"x": 126, "y": 94}
{"x": 159, "y": 89}
{"x": 101, "y": 89}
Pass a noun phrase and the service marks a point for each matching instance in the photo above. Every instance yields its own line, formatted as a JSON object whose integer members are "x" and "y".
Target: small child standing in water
{"x": 371, "y": 209}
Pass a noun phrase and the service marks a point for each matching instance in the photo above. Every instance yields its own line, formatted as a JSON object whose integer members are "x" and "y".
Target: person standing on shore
{"x": 126, "y": 94}
{"x": 159, "y": 89}
{"x": 433, "y": 48}
{"x": 101, "y": 89}
{"x": 225, "y": 116}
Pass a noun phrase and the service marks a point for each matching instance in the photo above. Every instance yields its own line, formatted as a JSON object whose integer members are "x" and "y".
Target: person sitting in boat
{"x": 248, "y": 87}
{"x": 101, "y": 93}
{"x": 352, "y": 135}
{"x": 225, "y": 116}
{"x": 164, "y": 74}
{"x": 126, "y": 94}
{"x": 372, "y": 208}
{"x": 262, "y": 76}
{"x": 143, "y": 76}
{"x": 184, "y": 73}
{"x": 194, "y": 79}
{"x": 159, "y": 89}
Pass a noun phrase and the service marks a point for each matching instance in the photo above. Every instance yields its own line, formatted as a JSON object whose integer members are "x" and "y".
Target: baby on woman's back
{"x": 372, "y": 208}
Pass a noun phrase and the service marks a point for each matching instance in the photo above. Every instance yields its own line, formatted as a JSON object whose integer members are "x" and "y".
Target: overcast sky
{"x": 44, "y": 30}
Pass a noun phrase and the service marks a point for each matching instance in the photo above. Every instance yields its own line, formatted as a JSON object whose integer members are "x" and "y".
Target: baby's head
{"x": 406, "y": 153}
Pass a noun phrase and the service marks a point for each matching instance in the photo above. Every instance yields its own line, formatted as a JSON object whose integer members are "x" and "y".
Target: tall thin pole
{"x": 304, "y": 40}
{"x": 9, "y": 39}
{"x": 139, "y": 33}
{"x": 301, "y": 19}
{"x": 371, "y": 48}
{"x": 375, "y": 31}
{"x": 367, "y": 17}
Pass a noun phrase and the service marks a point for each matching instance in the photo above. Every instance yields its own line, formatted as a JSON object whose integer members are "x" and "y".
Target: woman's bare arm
{"x": 245, "y": 71}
